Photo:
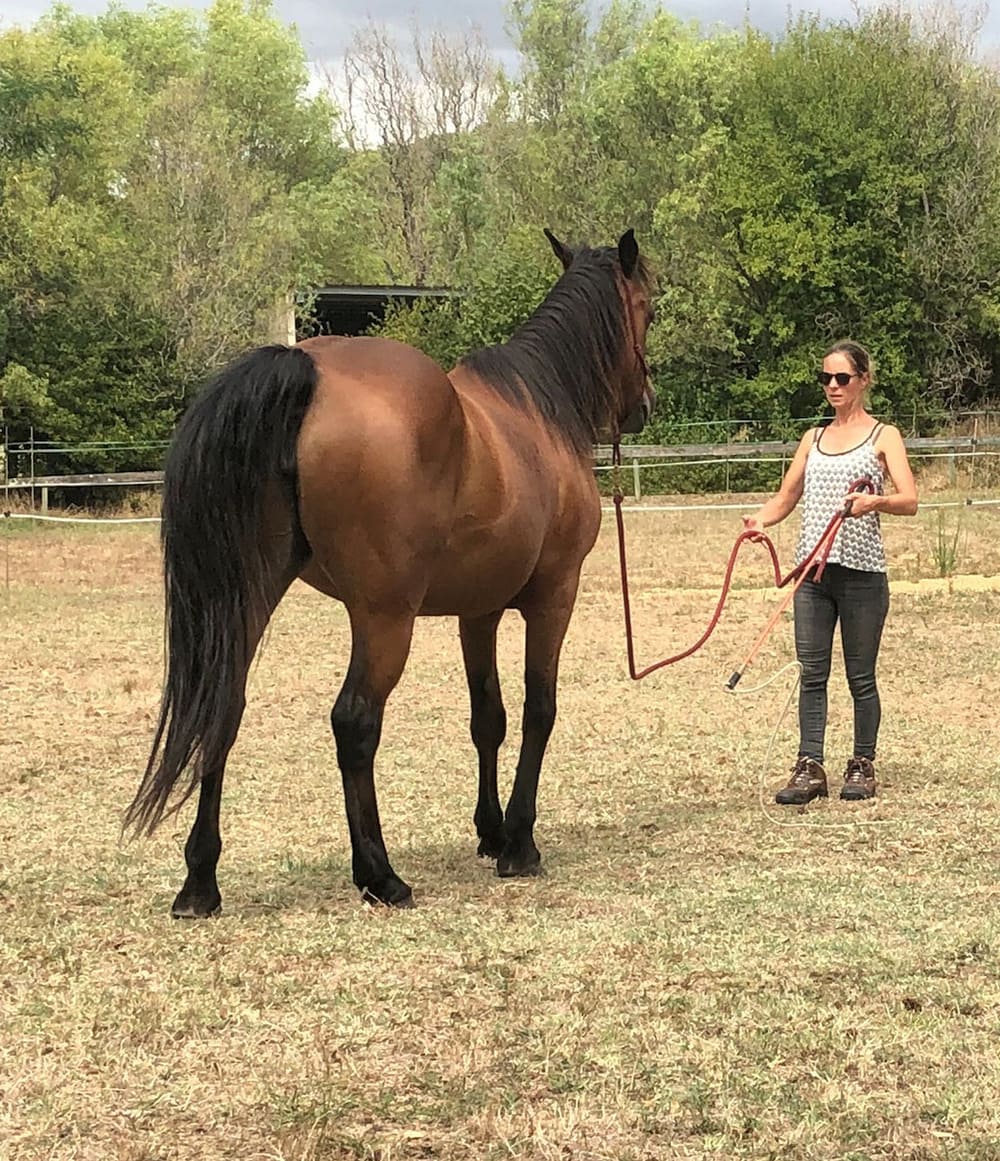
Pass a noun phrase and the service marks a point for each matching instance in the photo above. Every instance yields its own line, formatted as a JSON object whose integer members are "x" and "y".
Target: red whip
{"x": 815, "y": 562}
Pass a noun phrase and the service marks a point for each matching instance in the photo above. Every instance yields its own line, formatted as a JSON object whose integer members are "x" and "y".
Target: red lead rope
{"x": 815, "y": 562}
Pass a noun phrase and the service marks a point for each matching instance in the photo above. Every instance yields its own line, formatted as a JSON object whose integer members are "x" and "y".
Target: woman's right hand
{"x": 753, "y": 524}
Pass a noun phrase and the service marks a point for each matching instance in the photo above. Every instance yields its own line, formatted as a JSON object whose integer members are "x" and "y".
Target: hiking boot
{"x": 808, "y": 781}
{"x": 859, "y": 780}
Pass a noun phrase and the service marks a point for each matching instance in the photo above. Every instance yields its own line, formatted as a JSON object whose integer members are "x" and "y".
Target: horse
{"x": 357, "y": 465}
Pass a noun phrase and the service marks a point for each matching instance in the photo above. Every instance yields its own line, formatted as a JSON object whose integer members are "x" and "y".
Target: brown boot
{"x": 808, "y": 781}
{"x": 859, "y": 780}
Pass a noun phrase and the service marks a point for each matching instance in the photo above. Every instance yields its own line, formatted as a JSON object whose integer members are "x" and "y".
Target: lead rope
{"x": 816, "y": 561}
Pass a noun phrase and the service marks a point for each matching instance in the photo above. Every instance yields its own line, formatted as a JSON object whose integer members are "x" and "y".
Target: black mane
{"x": 563, "y": 358}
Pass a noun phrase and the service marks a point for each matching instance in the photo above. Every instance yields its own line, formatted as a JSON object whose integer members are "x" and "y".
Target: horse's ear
{"x": 562, "y": 252}
{"x": 628, "y": 252}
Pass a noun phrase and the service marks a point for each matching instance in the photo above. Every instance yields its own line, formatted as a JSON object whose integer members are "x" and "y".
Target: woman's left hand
{"x": 861, "y": 503}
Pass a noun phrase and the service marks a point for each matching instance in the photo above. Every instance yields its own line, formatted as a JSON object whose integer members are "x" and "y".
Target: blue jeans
{"x": 860, "y": 601}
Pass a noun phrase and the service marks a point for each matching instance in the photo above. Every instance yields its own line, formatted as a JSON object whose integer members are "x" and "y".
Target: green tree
{"x": 828, "y": 208}
{"x": 65, "y": 109}
{"x": 164, "y": 177}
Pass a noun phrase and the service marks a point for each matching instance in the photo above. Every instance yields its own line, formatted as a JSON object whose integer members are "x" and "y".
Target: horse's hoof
{"x": 489, "y": 849}
{"x": 526, "y": 868}
{"x": 194, "y": 908}
{"x": 394, "y": 893}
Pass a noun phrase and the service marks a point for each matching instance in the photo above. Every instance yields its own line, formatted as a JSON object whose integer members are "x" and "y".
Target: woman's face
{"x": 840, "y": 393}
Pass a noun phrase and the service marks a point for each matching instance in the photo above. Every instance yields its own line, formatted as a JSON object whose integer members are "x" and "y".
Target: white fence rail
{"x": 636, "y": 458}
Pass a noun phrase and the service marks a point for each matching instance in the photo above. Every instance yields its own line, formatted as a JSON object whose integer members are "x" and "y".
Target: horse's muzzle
{"x": 637, "y": 419}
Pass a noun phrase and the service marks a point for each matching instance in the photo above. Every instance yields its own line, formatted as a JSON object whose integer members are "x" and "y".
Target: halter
{"x": 640, "y": 356}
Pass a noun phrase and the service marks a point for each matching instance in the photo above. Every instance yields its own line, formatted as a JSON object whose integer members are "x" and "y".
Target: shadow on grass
{"x": 573, "y": 853}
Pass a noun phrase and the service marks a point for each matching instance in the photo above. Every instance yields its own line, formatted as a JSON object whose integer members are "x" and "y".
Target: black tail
{"x": 230, "y": 449}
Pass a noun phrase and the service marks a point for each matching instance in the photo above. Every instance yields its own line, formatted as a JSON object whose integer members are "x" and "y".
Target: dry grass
{"x": 699, "y": 975}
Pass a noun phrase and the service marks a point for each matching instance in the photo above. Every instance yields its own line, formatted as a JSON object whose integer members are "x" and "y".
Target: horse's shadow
{"x": 450, "y": 871}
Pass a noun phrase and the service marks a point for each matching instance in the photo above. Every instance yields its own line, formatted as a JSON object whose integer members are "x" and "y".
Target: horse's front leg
{"x": 545, "y": 627}
{"x": 488, "y": 724}
{"x": 380, "y": 644}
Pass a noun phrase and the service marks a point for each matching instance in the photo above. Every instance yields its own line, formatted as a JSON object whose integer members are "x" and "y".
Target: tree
{"x": 830, "y": 209}
{"x": 66, "y": 114}
{"x": 415, "y": 114}
{"x": 161, "y": 176}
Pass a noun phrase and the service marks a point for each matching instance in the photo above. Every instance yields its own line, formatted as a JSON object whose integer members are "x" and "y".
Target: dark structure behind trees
{"x": 353, "y": 310}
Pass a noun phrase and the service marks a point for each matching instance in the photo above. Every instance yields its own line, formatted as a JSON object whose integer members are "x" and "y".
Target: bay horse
{"x": 359, "y": 466}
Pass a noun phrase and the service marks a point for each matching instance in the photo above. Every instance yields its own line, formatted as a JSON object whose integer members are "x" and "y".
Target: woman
{"x": 853, "y": 588}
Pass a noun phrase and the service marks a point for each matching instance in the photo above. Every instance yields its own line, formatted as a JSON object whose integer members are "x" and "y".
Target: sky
{"x": 325, "y": 26}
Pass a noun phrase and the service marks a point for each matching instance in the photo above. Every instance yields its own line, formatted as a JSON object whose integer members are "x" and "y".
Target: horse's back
{"x": 424, "y": 490}
{"x": 378, "y": 389}
{"x": 377, "y": 395}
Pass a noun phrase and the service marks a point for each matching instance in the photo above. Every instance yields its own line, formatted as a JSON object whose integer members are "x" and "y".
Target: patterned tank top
{"x": 858, "y": 544}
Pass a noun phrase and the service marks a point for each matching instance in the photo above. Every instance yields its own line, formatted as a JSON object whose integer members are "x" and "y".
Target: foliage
{"x": 944, "y": 548}
{"x": 508, "y": 286}
{"x": 830, "y": 210}
{"x": 168, "y": 176}
{"x": 151, "y": 167}
{"x": 428, "y": 324}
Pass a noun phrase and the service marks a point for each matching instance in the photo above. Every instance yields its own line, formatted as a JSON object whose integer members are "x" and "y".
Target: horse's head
{"x": 635, "y": 395}
{"x": 638, "y": 394}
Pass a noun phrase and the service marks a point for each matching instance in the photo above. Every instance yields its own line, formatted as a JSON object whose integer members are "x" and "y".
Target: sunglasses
{"x": 842, "y": 377}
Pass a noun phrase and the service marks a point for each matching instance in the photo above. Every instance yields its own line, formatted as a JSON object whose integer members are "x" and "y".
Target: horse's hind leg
{"x": 200, "y": 897}
{"x": 545, "y": 628}
{"x": 488, "y": 724}
{"x": 380, "y": 644}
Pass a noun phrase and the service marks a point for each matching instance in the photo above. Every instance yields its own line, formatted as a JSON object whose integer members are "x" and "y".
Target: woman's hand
{"x": 861, "y": 503}
{"x": 753, "y": 524}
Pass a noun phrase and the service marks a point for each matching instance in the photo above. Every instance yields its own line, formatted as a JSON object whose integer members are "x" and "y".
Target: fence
{"x": 971, "y": 450}
{"x": 638, "y": 458}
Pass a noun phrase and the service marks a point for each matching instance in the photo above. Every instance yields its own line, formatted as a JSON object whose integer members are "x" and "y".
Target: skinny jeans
{"x": 859, "y": 601}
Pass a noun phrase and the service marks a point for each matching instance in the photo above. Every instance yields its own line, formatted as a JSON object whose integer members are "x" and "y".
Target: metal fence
{"x": 975, "y": 455}
{"x": 646, "y": 469}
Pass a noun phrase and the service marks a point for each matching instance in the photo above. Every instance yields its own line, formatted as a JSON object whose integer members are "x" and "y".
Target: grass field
{"x": 699, "y": 974}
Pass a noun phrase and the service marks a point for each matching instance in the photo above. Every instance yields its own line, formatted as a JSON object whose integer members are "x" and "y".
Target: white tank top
{"x": 858, "y": 544}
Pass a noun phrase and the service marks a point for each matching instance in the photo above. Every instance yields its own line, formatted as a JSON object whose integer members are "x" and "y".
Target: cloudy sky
{"x": 325, "y": 26}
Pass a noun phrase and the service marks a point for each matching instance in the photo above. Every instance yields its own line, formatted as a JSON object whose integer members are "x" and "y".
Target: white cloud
{"x": 326, "y": 27}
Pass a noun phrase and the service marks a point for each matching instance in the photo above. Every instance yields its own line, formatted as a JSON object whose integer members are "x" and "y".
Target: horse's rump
{"x": 431, "y": 494}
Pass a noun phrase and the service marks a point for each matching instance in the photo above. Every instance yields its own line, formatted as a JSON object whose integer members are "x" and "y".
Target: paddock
{"x": 699, "y": 973}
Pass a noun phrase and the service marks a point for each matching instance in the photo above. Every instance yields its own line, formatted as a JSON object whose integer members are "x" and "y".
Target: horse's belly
{"x": 476, "y": 584}
{"x": 467, "y": 588}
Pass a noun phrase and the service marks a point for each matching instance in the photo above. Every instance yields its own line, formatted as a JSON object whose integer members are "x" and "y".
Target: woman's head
{"x": 860, "y": 360}
{"x": 848, "y": 371}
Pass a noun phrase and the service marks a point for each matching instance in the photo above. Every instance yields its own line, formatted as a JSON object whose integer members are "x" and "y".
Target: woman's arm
{"x": 773, "y": 511}
{"x": 903, "y": 502}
